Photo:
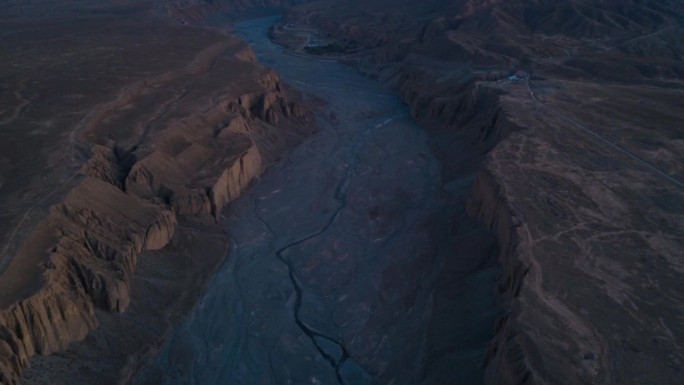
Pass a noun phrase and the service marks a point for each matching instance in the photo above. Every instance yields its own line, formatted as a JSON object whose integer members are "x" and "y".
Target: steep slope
{"x": 157, "y": 151}
{"x": 574, "y": 106}
{"x": 584, "y": 180}
{"x": 607, "y": 39}
{"x": 217, "y": 12}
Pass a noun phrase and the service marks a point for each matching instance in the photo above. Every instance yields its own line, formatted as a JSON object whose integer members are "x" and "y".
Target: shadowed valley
{"x": 359, "y": 192}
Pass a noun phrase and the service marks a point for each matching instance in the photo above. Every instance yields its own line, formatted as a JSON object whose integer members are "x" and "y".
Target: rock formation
{"x": 147, "y": 157}
{"x": 573, "y": 107}
{"x": 527, "y": 84}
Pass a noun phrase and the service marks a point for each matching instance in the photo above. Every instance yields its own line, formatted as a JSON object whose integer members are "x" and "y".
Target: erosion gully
{"x": 350, "y": 262}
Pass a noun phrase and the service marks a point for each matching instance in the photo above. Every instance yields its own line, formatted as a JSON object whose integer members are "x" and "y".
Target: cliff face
{"x": 482, "y": 122}
{"x": 235, "y": 179}
{"x": 567, "y": 176}
{"x": 508, "y": 358}
{"x": 200, "y": 174}
{"x": 207, "y": 196}
{"x": 45, "y": 323}
{"x": 89, "y": 266}
{"x": 185, "y": 141}
{"x": 577, "y": 264}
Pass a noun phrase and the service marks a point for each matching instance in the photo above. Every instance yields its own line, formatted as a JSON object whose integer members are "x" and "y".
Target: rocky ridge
{"x": 452, "y": 70}
{"x": 82, "y": 256}
{"x": 551, "y": 332}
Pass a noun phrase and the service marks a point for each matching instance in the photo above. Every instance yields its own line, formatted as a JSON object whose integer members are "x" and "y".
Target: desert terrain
{"x": 358, "y": 192}
{"x": 123, "y": 139}
{"x": 581, "y": 102}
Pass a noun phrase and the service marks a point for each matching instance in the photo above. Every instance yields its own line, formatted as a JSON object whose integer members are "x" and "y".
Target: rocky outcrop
{"x": 44, "y": 323}
{"x": 234, "y": 180}
{"x": 246, "y": 54}
{"x": 149, "y": 179}
{"x": 267, "y": 106}
{"x": 191, "y": 202}
{"x": 188, "y": 195}
{"x": 168, "y": 139}
{"x": 453, "y": 108}
{"x": 507, "y": 359}
{"x": 236, "y": 125}
{"x": 201, "y": 173}
{"x": 99, "y": 232}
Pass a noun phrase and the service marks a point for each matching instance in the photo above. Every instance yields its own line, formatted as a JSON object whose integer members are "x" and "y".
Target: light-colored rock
{"x": 160, "y": 232}
{"x": 507, "y": 361}
{"x": 103, "y": 165}
{"x": 235, "y": 179}
{"x": 101, "y": 233}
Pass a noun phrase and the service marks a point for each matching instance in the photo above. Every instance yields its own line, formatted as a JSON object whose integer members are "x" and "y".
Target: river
{"x": 349, "y": 263}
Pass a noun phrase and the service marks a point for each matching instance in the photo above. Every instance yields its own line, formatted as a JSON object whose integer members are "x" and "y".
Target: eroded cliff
{"x": 584, "y": 209}
{"x": 153, "y": 159}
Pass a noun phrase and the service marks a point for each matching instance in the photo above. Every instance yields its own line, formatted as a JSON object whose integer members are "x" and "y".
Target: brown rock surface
{"x": 585, "y": 190}
{"x": 583, "y": 183}
{"x": 600, "y": 238}
{"x": 131, "y": 137}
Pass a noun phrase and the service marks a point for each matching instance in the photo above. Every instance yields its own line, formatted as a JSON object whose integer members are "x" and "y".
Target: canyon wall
{"x": 482, "y": 122}
{"x": 217, "y": 12}
{"x": 456, "y": 110}
{"x": 547, "y": 152}
{"x": 585, "y": 268}
{"x": 92, "y": 246}
{"x": 131, "y": 193}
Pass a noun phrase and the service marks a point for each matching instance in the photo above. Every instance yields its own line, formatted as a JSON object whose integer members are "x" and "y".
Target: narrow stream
{"x": 350, "y": 264}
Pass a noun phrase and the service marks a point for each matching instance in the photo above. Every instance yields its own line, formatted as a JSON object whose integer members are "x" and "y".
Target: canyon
{"x": 346, "y": 255}
{"x": 356, "y": 192}
{"x": 577, "y": 104}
